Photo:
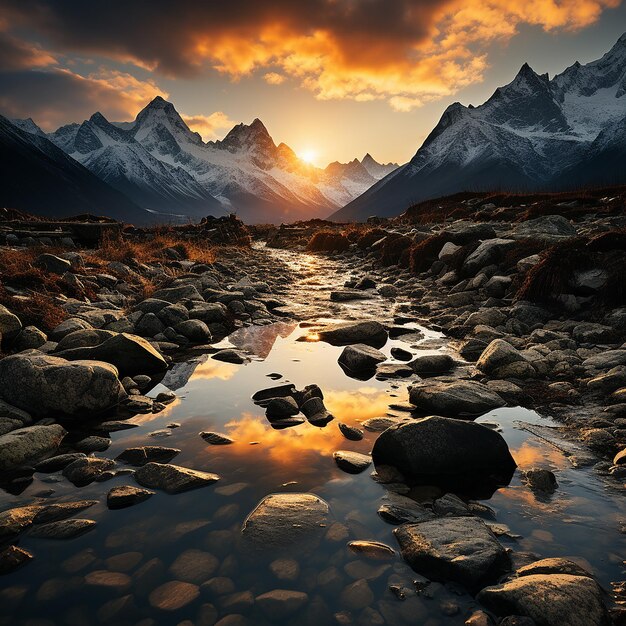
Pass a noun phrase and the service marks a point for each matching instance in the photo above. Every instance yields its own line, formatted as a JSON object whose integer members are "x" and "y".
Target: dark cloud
{"x": 52, "y": 97}
{"x": 17, "y": 55}
{"x": 408, "y": 51}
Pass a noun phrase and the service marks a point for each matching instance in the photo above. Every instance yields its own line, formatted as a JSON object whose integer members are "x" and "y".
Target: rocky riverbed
{"x": 280, "y": 401}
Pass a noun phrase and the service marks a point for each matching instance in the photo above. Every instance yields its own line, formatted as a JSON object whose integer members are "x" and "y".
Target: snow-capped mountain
{"x": 159, "y": 162}
{"x": 115, "y": 156}
{"x": 534, "y": 133}
{"x": 40, "y": 178}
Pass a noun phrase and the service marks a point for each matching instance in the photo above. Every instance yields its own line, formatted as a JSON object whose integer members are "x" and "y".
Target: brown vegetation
{"x": 328, "y": 241}
{"x": 424, "y": 253}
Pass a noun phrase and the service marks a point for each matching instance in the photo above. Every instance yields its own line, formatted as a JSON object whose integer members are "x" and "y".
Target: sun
{"x": 308, "y": 155}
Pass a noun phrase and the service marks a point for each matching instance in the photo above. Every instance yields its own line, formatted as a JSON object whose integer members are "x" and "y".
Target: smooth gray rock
{"x": 501, "y": 360}
{"x": 86, "y": 470}
{"x": 43, "y": 385}
{"x": 550, "y": 600}
{"x": 130, "y": 354}
{"x": 459, "y": 549}
{"x": 125, "y": 495}
{"x": 181, "y": 293}
{"x": 352, "y": 462}
{"x": 432, "y": 364}
{"x": 27, "y": 445}
{"x": 216, "y": 439}
{"x": 172, "y": 478}
{"x": 57, "y": 463}
{"x": 146, "y": 454}
{"x": 456, "y": 399}
{"x": 284, "y": 521}
{"x": 350, "y": 432}
{"x": 30, "y": 338}
{"x": 194, "y": 330}
{"x": 370, "y": 333}
{"x": 10, "y": 325}
{"x": 360, "y": 357}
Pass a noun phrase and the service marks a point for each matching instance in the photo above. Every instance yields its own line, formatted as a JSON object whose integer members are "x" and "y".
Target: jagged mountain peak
{"x": 28, "y": 125}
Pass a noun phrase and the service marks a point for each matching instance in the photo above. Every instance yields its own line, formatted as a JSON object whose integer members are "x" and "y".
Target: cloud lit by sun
{"x": 308, "y": 155}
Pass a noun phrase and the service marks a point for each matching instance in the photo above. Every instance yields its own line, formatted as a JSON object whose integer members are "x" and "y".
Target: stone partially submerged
{"x": 283, "y": 522}
{"x": 42, "y": 385}
{"x": 456, "y": 399}
{"x": 460, "y": 549}
{"x": 370, "y": 333}
{"x": 27, "y": 445}
{"x": 446, "y": 452}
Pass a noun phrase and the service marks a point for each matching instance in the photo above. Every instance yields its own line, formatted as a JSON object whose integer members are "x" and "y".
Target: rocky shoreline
{"x": 65, "y": 389}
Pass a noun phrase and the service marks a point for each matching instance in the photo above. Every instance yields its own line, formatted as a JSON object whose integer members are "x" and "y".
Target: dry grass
{"x": 328, "y": 241}
{"x": 423, "y": 254}
{"x": 153, "y": 249}
{"x": 369, "y": 237}
{"x": 395, "y": 250}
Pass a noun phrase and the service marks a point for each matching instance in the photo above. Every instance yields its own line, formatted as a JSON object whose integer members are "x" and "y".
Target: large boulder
{"x": 361, "y": 357}
{"x": 547, "y": 228}
{"x": 501, "y": 360}
{"x": 455, "y": 399}
{"x": 130, "y": 354}
{"x": 27, "y": 445}
{"x": 549, "y": 599}
{"x": 285, "y": 522}
{"x": 370, "y": 333}
{"x": 42, "y": 385}
{"x": 459, "y": 549}
{"x": 446, "y": 452}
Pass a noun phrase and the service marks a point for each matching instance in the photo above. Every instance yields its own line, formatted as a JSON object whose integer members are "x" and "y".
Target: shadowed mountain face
{"x": 532, "y": 134}
{"x": 40, "y": 178}
{"x": 164, "y": 167}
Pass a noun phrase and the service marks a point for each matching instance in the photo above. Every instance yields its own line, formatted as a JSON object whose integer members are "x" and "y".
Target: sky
{"x": 333, "y": 79}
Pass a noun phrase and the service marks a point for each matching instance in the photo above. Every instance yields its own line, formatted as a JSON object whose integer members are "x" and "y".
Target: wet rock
{"x": 64, "y": 529}
{"x": 346, "y": 295}
{"x": 456, "y": 399}
{"x": 379, "y": 424}
{"x": 550, "y": 600}
{"x": 92, "y": 443}
{"x": 216, "y": 439}
{"x": 61, "y": 510}
{"x": 172, "y": 478}
{"x": 173, "y": 595}
{"x": 357, "y": 596}
{"x": 281, "y": 603}
{"x": 147, "y": 454}
{"x": 451, "y": 505}
{"x": 443, "y": 451}
{"x": 501, "y": 360}
{"x": 285, "y": 569}
{"x": 352, "y": 462}
{"x": 385, "y": 371}
{"x": 194, "y": 566}
{"x": 125, "y": 495}
{"x": 542, "y": 480}
{"x": 460, "y": 549}
{"x": 620, "y": 458}
{"x": 372, "y": 550}
{"x": 26, "y": 445}
{"x": 370, "y": 333}
{"x": 402, "y": 510}
{"x": 130, "y": 354}
{"x": 229, "y": 356}
{"x": 15, "y": 520}
{"x": 281, "y": 407}
{"x": 263, "y": 396}
{"x": 360, "y": 357}
{"x": 43, "y": 384}
{"x": 12, "y": 558}
{"x": 194, "y": 330}
{"x": 86, "y": 470}
{"x": 350, "y": 432}
{"x": 401, "y": 354}
{"x": 432, "y": 364}
{"x": 282, "y": 521}
{"x": 218, "y": 586}
{"x": 553, "y": 566}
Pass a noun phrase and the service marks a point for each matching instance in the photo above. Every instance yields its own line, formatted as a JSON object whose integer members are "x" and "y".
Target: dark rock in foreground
{"x": 126, "y": 495}
{"x": 463, "y": 398}
{"x": 26, "y": 445}
{"x": 446, "y": 452}
{"x": 172, "y": 478}
{"x": 370, "y": 333}
{"x": 460, "y": 549}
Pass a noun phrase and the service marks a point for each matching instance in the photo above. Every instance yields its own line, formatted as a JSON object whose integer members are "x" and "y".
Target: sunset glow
{"x": 308, "y": 155}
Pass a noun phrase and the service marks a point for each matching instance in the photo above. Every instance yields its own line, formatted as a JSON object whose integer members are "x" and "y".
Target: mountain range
{"x": 160, "y": 165}
{"x": 535, "y": 133}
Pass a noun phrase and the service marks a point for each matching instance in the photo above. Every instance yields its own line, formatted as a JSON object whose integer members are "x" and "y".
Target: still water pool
{"x": 109, "y": 575}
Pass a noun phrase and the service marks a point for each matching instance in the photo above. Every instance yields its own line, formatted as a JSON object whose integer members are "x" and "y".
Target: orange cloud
{"x": 209, "y": 125}
{"x": 407, "y": 52}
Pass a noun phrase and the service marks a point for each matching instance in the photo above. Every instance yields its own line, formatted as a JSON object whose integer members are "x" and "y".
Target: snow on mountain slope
{"x": 40, "y": 178}
{"x": 113, "y": 155}
{"x": 28, "y": 126}
{"x": 534, "y": 133}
